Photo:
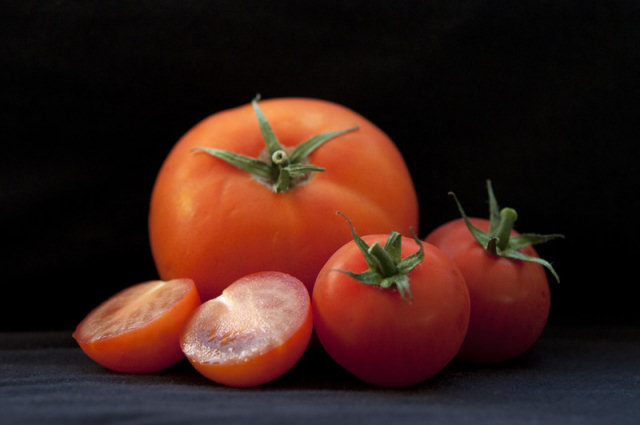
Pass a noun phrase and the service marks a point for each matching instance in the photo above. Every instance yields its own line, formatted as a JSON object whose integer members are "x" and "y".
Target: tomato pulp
{"x": 138, "y": 329}
{"x": 254, "y": 332}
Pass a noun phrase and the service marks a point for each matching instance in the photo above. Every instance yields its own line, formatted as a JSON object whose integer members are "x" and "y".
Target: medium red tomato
{"x": 394, "y": 316}
{"x": 251, "y": 334}
{"x": 215, "y": 222}
{"x": 138, "y": 329}
{"x": 510, "y": 296}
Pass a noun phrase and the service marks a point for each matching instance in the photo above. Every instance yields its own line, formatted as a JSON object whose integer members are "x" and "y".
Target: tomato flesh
{"x": 510, "y": 299}
{"x": 251, "y": 334}
{"x": 138, "y": 329}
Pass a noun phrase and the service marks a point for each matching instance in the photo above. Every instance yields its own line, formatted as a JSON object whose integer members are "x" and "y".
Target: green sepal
{"x": 304, "y": 149}
{"x": 494, "y": 209}
{"x": 269, "y": 136}
{"x": 386, "y": 266}
{"x": 517, "y": 255}
{"x": 243, "y": 162}
{"x": 362, "y": 245}
{"x": 299, "y": 170}
{"x": 284, "y": 169}
{"x": 393, "y": 246}
{"x": 527, "y": 239}
{"x": 483, "y": 238}
{"x": 368, "y": 277}
{"x": 409, "y": 263}
{"x": 498, "y": 240}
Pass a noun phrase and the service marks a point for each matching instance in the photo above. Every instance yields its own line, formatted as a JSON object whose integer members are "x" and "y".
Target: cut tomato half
{"x": 138, "y": 329}
{"x": 253, "y": 333}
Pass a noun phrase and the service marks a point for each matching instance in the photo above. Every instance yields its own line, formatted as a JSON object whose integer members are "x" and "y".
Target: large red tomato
{"x": 214, "y": 222}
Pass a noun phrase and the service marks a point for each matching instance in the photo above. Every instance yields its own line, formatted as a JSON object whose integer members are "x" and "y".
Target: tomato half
{"x": 510, "y": 299}
{"x": 380, "y": 336}
{"x": 138, "y": 329}
{"x": 254, "y": 332}
{"x": 215, "y": 223}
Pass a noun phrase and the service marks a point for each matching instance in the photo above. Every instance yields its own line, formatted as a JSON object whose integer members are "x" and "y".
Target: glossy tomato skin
{"x": 510, "y": 299}
{"x": 253, "y": 333}
{"x": 215, "y": 223}
{"x": 377, "y": 336}
{"x": 138, "y": 329}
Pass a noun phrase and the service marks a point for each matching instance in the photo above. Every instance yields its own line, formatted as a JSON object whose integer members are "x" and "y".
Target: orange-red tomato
{"x": 251, "y": 334}
{"x": 215, "y": 223}
{"x": 375, "y": 334}
{"x": 510, "y": 299}
{"x": 138, "y": 329}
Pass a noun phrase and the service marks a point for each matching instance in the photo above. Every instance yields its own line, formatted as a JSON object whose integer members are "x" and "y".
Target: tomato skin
{"x": 510, "y": 299}
{"x": 147, "y": 346}
{"x": 377, "y": 336}
{"x": 225, "y": 339}
{"x": 215, "y": 223}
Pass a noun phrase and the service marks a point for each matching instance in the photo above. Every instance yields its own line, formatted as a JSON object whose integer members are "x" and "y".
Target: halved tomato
{"x": 251, "y": 334}
{"x": 138, "y": 329}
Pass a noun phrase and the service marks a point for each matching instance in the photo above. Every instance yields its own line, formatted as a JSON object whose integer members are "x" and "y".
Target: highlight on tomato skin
{"x": 253, "y": 333}
{"x": 138, "y": 329}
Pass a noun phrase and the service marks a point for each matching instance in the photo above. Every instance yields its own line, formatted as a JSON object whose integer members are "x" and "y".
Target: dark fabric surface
{"x": 574, "y": 375}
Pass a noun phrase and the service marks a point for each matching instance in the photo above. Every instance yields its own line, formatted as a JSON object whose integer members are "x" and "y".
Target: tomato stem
{"x": 387, "y": 268}
{"x": 386, "y": 265}
{"x": 280, "y": 157}
{"x": 498, "y": 241}
{"x": 502, "y": 233}
{"x": 281, "y": 171}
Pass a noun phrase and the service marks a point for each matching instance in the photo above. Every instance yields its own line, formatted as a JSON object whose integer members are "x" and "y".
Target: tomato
{"x": 509, "y": 291}
{"x": 390, "y": 335}
{"x": 214, "y": 222}
{"x": 138, "y": 329}
{"x": 251, "y": 334}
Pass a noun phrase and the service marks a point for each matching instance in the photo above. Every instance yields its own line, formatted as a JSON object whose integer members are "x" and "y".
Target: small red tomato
{"x": 392, "y": 316}
{"x": 252, "y": 333}
{"x": 510, "y": 296}
{"x": 138, "y": 329}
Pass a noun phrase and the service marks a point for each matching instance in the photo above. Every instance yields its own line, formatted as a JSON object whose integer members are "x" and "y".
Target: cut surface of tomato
{"x": 138, "y": 329}
{"x": 254, "y": 332}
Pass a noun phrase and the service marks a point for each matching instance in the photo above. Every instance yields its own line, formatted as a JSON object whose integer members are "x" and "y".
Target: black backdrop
{"x": 536, "y": 95}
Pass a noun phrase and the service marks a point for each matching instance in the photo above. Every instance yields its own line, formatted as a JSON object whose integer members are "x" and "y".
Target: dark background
{"x": 539, "y": 96}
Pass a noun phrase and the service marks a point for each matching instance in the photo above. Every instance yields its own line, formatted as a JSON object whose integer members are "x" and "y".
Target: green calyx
{"x": 498, "y": 240}
{"x": 283, "y": 168}
{"x": 387, "y": 268}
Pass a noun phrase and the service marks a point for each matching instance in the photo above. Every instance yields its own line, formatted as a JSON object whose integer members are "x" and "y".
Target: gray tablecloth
{"x": 574, "y": 375}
